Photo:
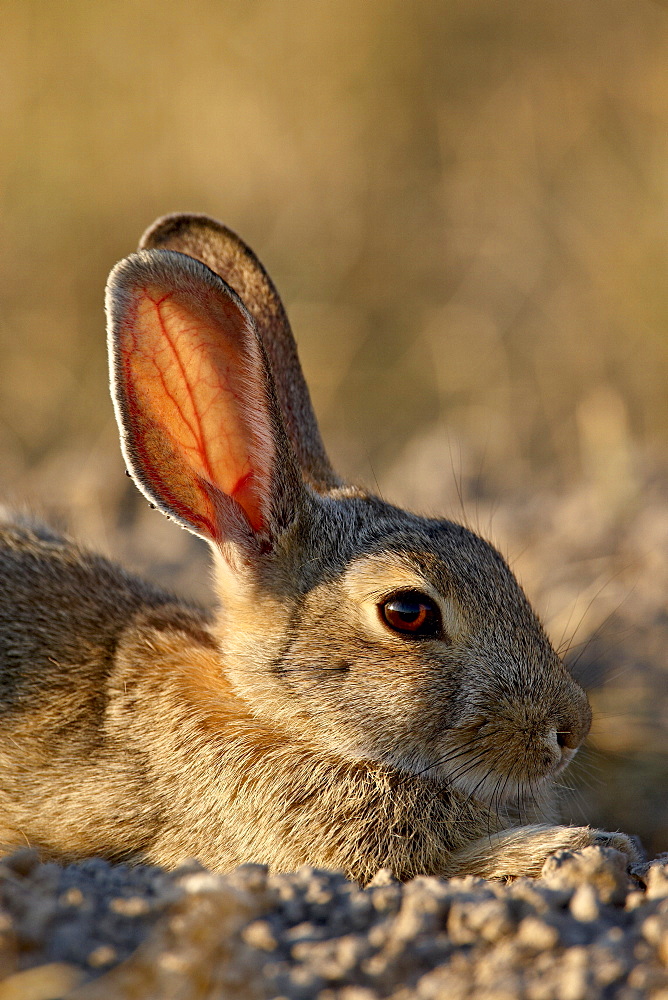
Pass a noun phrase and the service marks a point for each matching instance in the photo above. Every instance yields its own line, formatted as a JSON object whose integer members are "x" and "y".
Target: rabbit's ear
{"x": 222, "y": 250}
{"x": 200, "y": 428}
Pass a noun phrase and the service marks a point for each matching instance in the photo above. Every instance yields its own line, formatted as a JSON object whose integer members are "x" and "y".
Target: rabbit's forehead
{"x": 443, "y": 554}
{"x": 373, "y": 575}
{"x": 367, "y": 543}
{"x": 441, "y": 558}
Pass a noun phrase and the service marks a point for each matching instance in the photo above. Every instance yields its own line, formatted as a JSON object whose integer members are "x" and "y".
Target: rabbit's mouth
{"x": 501, "y": 791}
{"x": 503, "y": 773}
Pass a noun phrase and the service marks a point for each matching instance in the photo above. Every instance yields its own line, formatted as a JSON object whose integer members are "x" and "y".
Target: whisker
{"x": 460, "y": 752}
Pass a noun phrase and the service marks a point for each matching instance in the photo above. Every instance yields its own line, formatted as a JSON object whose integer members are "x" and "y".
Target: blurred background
{"x": 464, "y": 204}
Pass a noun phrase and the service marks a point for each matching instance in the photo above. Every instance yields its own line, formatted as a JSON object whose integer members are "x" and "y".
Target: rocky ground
{"x": 586, "y": 929}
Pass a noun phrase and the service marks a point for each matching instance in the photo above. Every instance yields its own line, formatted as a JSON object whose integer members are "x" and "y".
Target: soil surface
{"x": 586, "y": 929}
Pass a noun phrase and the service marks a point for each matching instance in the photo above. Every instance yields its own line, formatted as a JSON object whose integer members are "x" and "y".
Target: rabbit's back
{"x": 62, "y": 610}
{"x": 64, "y": 614}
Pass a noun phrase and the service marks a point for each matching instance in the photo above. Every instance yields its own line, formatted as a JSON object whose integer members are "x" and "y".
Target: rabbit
{"x": 374, "y": 689}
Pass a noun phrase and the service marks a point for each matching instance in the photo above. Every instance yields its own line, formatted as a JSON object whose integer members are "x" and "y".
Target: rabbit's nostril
{"x": 567, "y": 739}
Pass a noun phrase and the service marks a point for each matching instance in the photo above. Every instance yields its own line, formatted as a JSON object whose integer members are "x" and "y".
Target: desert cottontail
{"x": 374, "y": 689}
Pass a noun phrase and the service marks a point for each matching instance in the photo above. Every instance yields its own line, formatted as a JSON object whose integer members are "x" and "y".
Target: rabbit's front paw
{"x": 620, "y": 842}
{"x": 523, "y": 850}
{"x": 575, "y": 838}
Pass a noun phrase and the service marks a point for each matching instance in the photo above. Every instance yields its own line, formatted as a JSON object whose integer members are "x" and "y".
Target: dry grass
{"x": 464, "y": 203}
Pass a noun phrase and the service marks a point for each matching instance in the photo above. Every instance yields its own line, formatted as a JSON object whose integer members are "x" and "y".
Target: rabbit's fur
{"x": 295, "y": 725}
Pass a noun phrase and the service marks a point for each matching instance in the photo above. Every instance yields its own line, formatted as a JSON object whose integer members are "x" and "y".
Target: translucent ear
{"x": 225, "y": 253}
{"x": 199, "y": 427}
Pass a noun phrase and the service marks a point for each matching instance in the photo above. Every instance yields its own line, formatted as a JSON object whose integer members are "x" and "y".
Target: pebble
{"x": 585, "y": 903}
{"x": 537, "y": 935}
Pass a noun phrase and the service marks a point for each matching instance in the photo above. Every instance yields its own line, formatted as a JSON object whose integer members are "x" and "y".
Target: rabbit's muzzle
{"x": 512, "y": 747}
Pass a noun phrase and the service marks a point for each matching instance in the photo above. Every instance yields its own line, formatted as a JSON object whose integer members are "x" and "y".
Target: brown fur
{"x": 294, "y": 727}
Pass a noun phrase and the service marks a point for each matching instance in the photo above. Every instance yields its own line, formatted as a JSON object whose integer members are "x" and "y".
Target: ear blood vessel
{"x": 374, "y": 688}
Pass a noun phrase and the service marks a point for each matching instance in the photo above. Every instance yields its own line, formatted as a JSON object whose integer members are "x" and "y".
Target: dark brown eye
{"x": 412, "y": 613}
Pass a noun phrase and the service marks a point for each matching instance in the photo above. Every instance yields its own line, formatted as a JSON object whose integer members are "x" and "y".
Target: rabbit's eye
{"x": 412, "y": 613}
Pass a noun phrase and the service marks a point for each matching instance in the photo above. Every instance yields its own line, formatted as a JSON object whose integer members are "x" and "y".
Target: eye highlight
{"x": 411, "y": 613}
